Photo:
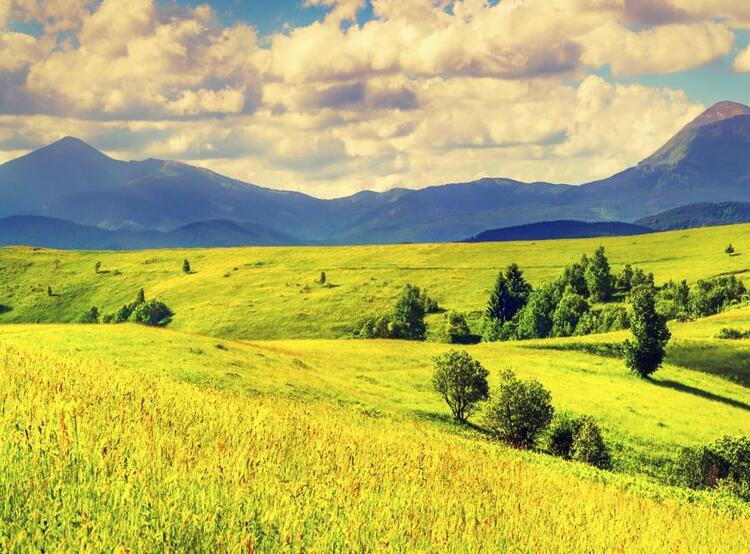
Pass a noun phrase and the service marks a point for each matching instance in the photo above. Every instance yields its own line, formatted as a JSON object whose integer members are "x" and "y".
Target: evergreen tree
{"x": 186, "y": 266}
{"x": 322, "y": 279}
{"x": 599, "y": 277}
{"x": 575, "y": 276}
{"x": 650, "y": 335}
{"x": 457, "y": 329}
{"x": 407, "y": 319}
{"x": 510, "y": 294}
{"x": 97, "y": 267}
{"x": 729, "y": 249}
{"x": 141, "y": 297}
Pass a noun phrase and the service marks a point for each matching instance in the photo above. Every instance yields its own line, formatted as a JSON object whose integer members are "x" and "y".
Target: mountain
{"x": 706, "y": 161}
{"x": 561, "y": 229}
{"x": 47, "y": 232}
{"x": 699, "y": 215}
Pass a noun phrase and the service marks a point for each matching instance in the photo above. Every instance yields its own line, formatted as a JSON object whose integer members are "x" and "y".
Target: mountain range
{"x": 134, "y": 204}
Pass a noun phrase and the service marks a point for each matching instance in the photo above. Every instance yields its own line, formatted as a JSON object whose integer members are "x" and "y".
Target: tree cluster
{"x": 725, "y": 464}
{"x": 404, "y": 321}
{"x": 145, "y": 312}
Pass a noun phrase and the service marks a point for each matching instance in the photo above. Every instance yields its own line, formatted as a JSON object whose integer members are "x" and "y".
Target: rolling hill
{"x": 707, "y": 161}
{"x": 698, "y": 215}
{"x": 563, "y": 229}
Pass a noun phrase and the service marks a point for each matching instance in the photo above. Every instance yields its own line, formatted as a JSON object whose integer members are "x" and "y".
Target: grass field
{"x": 271, "y": 293}
{"x": 249, "y": 424}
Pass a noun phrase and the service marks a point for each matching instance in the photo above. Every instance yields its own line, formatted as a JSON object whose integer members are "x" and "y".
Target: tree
{"x": 49, "y": 291}
{"x": 729, "y": 249}
{"x": 535, "y": 321}
{"x": 625, "y": 281}
{"x": 599, "y": 277}
{"x": 575, "y": 276}
{"x": 407, "y": 318}
{"x": 568, "y": 313}
{"x": 186, "y": 266}
{"x": 322, "y": 279}
{"x": 588, "y": 445}
{"x": 650, "y": 333}
{"x": 461, "y": 381}
{"x": 562, "y": 435}
{"x": 97, "y": 267}
{"x": 90, "y": 316}
{"x": 153, "y": 313}
{"x": 456, "y": 329}
{"x": 519, "y": 411}
{"x": 140, "y": 297}
{"x": 510, "y": 294}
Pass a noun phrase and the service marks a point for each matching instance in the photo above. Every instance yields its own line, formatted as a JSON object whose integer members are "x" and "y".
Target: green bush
{"x": 457, "y": 330}
{"x": 153, "y": 313}
{"x": 568, "y": 313}
{"x": 519, "y": 411}
{"x": 562, "y": 434}
{"x": 90, "y": 316}
{"x": 734, "y": 334}
{"x": 588, "y": 445}
{"x": 376, "y": 327}
{"x": 535, "y": 320}
{"x": 461, "y": 381}
{"x": 709, "y": 297}
{"x": 407, "y": 318}
{"x": 725, "y": 463}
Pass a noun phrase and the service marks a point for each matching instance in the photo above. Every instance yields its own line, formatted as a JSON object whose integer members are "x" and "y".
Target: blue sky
{"x": 311, "y": 98}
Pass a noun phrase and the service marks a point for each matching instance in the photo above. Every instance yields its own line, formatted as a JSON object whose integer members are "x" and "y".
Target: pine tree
{"x": 650, "y": 335}
{"x": 141, "y": 298}
{"x": 599, "y": 277}
{"x": 510, "y": 294}
{"x": 186, "y": 266}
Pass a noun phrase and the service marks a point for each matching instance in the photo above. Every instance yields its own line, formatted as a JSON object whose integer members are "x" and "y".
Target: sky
{"x": 330, "y": 97}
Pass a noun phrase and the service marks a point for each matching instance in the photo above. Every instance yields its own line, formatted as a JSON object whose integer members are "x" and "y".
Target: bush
{"x": 535, "y": 320}
{"x": 725, "y": 463}
{"x": 735, "y": 334}
{"x": 570, "y": 309}
{"x": 461, "y": 381}
{"x": 673, "y": 300}
{"x": 562, "y": 434}
{"x": 153, "y": 313}
{"x": 429, "y": 304}
{"x": 457, "y": 330}
{"x": 407, "y": 318}
{"x": 519, "y": 411}
{"x": 90, "y": 316}
{"x": 611, "y": 317}
{"x": 588, "y": 445}
{"x": 650, "y": 335}
{"x": 709, "y": 297}
{"x": 376, "y": 327}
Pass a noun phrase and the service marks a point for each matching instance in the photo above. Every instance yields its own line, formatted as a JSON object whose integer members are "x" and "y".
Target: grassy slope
{"x": 645, "y": 421}
{"x": 96, "y": 458}
{"x": 264, "y": 294}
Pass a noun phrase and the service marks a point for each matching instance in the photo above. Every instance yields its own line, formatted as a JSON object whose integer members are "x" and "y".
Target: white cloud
{"x": 742, "y": 61}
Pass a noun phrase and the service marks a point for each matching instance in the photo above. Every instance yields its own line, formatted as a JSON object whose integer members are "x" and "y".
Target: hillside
{"x": 563, "y": 229}
{"x": 698, "y": 215}
{"x": 707, "y": 161}
{"x": 272, "y": 474}
{"x": 271, "y": 293}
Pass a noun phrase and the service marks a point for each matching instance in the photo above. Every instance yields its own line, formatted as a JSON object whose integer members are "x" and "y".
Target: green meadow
{"x": 252, "y": 423}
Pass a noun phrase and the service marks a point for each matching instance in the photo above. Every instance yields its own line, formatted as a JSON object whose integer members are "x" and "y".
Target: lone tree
{"x": 407, "y": 319}
{"x": 729, "y": 249}
{"x": 650, "y": 335}
{"x": 461, "y": 381}
{"x": 322, "y": 279}
{"x": 510, "y": 294}
{"x": 97, "y": 266}
{"x": 519, "y": 411}
{"x": 599, "y": 276}
{"x": 186, "y": 266}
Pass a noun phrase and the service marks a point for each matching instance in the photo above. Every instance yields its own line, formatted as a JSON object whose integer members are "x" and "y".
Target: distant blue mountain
{"x": 699, "y": 215}
{"x": 707, "y": 161}
{"x": 562, "y": 229}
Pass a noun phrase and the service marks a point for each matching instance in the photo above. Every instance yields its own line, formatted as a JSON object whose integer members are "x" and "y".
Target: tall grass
{"x": 95, "y": 459}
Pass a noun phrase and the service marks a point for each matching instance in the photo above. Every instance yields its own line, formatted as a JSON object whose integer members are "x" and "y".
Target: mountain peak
{"x": 719, "y": 112}
{"x": 70, "y": 145}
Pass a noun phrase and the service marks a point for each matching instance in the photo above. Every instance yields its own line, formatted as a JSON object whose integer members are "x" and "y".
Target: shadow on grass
{"x": 448, "y": 421}
{"x": 681, "y": 387}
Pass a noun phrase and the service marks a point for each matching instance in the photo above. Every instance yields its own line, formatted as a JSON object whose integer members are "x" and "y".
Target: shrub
{"x": 562, "y": 434}
{"x": 724, "y": 463}
{"x": 376, "y": 327}
{"x": 519, "y": 411}
{"x": 645, "y": 354}
{"x": 461, "y": 381}
{"x": 673, "y": 300}
{"x": 407, "y": 318}
{"x": 153, "y": 313}
{"x": 735, "y": 334}
{"x": 535, "y": 320}
{"x": 709, "y": 297}
{"x": 90, "y": 316}
{"x": 729, "y": 249}
{"x": 457, "y": 330}
{"x": 588, "y": 445}
{"x": 568, "y": 313}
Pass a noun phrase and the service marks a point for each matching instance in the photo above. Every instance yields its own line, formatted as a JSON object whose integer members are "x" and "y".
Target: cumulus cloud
{"x": 422, "y": 92}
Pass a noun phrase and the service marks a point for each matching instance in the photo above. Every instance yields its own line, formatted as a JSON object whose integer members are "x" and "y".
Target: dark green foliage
{"x": 562, "y": 434}
{"x": 322, "y": 279}
{"x": 153, "y": 313}
{"x": 461, "y": 381}
{"x": 641, "y": 279}
{"x": 673, "y": 300}
{"x": 407, "y": 318}
{"x": 49, "y": 291}
{"x": 376, "y": 327}
{"x": 90, "y": 316}
{"x": 140, "y": 297}
{"x": 599, "y": 277}
{"x": 186, "y": 266}
{"x": 588, "y": 445}
{"x": 510, "y": 294}
{"x": 574, "y": 276}
{"x": 729, "y": 249}
{"x": 724, "y": 463}
{"x": 650, "y": 333}
{"x": 519, "y": 411}
{"x": 611, "y": 317}
{"x": 430, "y": 305}
{"x": 709, "y": 297}
{"x": 570, "y": 309}
{"x": 624, "y": 281}
{"x": 4, "y": 308}
{"x": 457, "y": 330}
{"x": 733, "y": 334}
{"x": 97, "y": 267}
{"x": 535, "y": 320}
{"x": 123, "y": 314}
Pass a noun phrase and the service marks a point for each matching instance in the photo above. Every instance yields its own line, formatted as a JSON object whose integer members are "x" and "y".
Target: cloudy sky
{"x": 333, "y": 96}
